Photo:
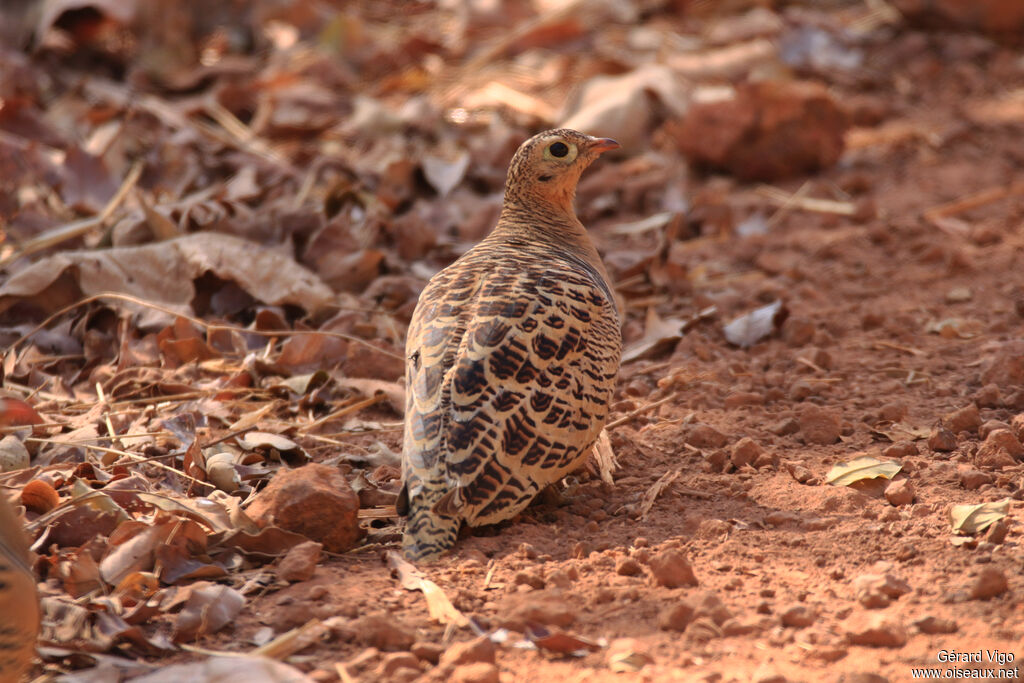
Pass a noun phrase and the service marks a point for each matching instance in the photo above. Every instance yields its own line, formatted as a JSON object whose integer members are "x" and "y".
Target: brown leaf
{"x": 208, "y": 609}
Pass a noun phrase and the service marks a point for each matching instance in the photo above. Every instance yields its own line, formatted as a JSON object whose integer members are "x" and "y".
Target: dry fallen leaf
{"x": 208, "y": 608}
{"x": 439, "y": 606}
{"x": 858, "y": 469}
{"x": 971, "y": 519}
{"x": 747, "y": 330}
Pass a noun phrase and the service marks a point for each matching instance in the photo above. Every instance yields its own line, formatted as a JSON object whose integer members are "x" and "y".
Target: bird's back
{"x": 19, "y": 606}
{"x": 513, "y": 352}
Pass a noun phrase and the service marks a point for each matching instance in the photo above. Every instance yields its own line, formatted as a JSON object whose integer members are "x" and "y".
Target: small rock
{"x": 479, "y": 649}
{"x": 797, "y": 331}
{"x": 989, "y": 583}
{"x": 932, "y": 625}
{"x": 996, "y": 533}
{"x": 990, "y": 426}
{"x": 315, "y": 501}
{"x": 671, "y": 569}
{"x": 745, "y": 452}
{"x": 1001, "y": 448}
{"x": 901, "y": 449}
{"x": 1017, "y": 427}
{"x": 384, "y": 632}
{"x": 728, "y": 134}
{"x": 797, "y": 616}
{"x": 705, "y": 436}
{"x": 703, "y": 629}
{"x": 676, "y": 617}
{"x": 941, "y": 440}
{"x": 1006, "y": 369}
{"x": 989, "y": 396}
{"x": 740, "y": 627}
{"x": 966, "y": 419}
{"x": 712, "y": 607}
{"x": 785, "y": 427}
{"x": 959, "y": 295}
{"x": 875, "y": 630}
{"x": 543, "y": 607}
{"x": 820, "y": 425}
{"x": 900, "y": 492}
{"x": 892, "y": 412}
{"x": 528, "y": 579}
{"x": 769, "y": 677}
{"x": 559, "y": 578}
{"x": 628, "y": 567}
{"x": 300, "y": 562}
{"x": 480, "y": 672}
{"x": 817, "y": 357}
{"x": 739, "y": 399}
{"x": 972, "y": 479}
{"x": 428, "y": 652}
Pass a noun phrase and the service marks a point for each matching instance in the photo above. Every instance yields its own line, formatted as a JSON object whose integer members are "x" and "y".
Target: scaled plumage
{"x": 512, "y": 355}
{"x": 19, "y": 604}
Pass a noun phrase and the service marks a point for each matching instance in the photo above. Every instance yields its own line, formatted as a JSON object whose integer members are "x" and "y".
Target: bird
{"x": 19, "y": 603}
{"x": 511, "y": 356}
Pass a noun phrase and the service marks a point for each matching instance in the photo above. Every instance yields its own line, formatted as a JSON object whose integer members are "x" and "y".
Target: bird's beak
{"x": 600, "y": 145}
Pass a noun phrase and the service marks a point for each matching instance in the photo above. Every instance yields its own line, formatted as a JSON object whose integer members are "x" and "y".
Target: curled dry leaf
{"x": 858, "y": 469}
{"x": 747, "y": 330}
{"x": 208, "y": 608}
{"x": 241, "y": 668}
{"x": 971, "y": 519}
{"x": 165, "y": 273}
{"x": 438, "y": 605}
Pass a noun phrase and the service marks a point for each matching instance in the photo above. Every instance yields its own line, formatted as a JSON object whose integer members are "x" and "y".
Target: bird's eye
{"x": 559, "y": 149}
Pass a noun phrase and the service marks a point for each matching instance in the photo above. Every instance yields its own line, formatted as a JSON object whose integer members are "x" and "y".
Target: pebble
{"x": 384, "y": 632}
{"x": 746, "y": 451}
{"x": 705, "y": 436}
{"x": 819, "y": 425}
{"x": 901, "y": 449}
{"x": 785, "y": 427}
{"x": 941, "y": 440}
{"x": 300, "y": 562}
{"x": 875, "y": 630}
{"x": 972, "y": 479}
{"x": 712, "y": 607}
{"x": 997, "y": 532}
{"x": 990, "y": 426}
{"x": 628, "y": 566}
{"x": 892, "y": 412}
{"x": 313, "y": 500}
{"x": 1006, "y": 369}
{"x": 676, "y": 617}
{"x": 1017, "y": 426}
{"x": 966, "y": 419}
{"x": 479, "y": 649}
{"x": 528, "y": 579}
{"x": 739, "y": 399}
{"x": 989, "y": 396}
{"x": 1000, "y": 440}
{"x": 427, "y": 651}
{"x": 932, "y": 625}
{"x": 900, "y": 492}
{"x": 549, "y": 609}
{"x": 798, "y": 331}
{"x": 989, "y": 583}
{"x": 797, "y": 616}
{"x": 671, "y": 569}
{"x": 480, "y": 672}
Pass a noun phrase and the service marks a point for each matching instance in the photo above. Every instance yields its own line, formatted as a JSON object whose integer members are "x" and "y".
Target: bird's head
{"x": 546, "y": 168}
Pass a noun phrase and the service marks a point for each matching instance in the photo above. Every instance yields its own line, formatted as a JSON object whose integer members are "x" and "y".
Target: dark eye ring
{"x": 559, "y": 149}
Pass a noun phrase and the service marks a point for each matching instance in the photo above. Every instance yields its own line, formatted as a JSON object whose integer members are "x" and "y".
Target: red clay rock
{"x": 875, "y": 630}
{"x": 1000, "y": 449}
{"x": 676, "y": 616}
{"x": 990, "y": 582}
{"x": 471, "y": 652}
{"x": 745, "y": 452}
{"x": 769, "y": 130}
{"x": 966, "y": 419}
{"x": 705, "y": 436}
{"x": 942, "y": 440}
{"x": 300, "y": 562}
{"x": 671, "y": 569}
{"x": 1006, "y": 369}
{"x": 315, "y": 501}
{"x": 820, "y": 425}
{"x": 384, "y": 632}
{"x": 900, "y": 492}
{"x": 480, "y": 672}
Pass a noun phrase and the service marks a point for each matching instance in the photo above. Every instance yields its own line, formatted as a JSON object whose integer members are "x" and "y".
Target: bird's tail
{"x": 429, "y": 531}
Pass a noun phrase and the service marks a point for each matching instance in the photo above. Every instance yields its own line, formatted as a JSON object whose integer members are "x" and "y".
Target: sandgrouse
{"x": 19, "y": 605}
{"x": 512, "y": 355}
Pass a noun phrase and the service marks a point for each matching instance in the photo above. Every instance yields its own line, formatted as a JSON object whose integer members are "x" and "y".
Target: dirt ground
{"x": 905, "y": 301}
